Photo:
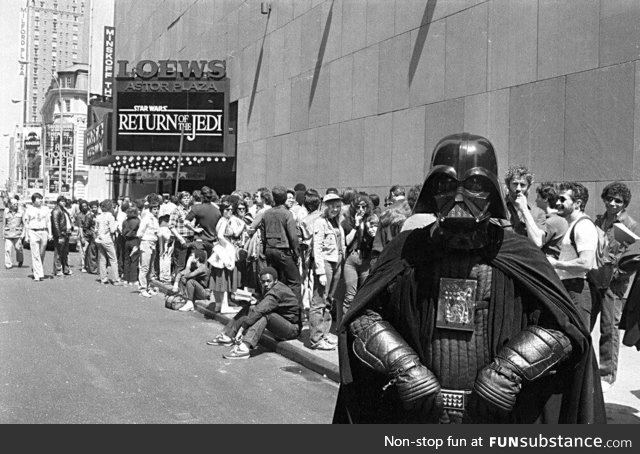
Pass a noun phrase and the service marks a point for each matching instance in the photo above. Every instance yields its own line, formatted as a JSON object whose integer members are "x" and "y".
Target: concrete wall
{"x": 357, "y": 92}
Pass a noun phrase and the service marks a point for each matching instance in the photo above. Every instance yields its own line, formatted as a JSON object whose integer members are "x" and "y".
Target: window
{"x": 67, "y": 105}
{"x": 74, "y": 56}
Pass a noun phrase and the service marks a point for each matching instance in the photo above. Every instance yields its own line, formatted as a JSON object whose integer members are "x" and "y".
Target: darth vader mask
{"x": 462, "y": 187}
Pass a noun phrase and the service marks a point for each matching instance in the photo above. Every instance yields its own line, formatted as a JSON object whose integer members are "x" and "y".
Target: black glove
{"x": 380, "y": 346}
{"x": 531, "y": 354}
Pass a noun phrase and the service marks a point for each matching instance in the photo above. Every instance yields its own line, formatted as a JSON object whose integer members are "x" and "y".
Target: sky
{"x": 11, "y": 82}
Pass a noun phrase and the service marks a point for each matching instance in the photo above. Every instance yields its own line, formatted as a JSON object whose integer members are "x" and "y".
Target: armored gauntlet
{"x": 530, "y": 355}
{"x": 380, "y": 346}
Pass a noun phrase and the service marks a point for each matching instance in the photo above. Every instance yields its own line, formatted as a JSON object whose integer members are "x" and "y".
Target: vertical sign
{"x": 107, "y": 66}
{"x": 23, "y": 38}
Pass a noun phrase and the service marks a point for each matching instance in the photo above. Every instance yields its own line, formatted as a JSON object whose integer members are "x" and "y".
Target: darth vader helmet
{"x": 462, "y": 187}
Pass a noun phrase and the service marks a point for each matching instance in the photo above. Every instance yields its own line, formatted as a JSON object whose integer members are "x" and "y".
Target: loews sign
{"x": 156, "y": 102}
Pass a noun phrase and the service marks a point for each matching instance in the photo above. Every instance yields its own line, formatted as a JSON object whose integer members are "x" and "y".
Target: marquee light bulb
{"x": 224, "y": 159}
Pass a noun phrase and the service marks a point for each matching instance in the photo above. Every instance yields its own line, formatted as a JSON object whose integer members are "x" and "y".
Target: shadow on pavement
{"x": 621, "y": 414}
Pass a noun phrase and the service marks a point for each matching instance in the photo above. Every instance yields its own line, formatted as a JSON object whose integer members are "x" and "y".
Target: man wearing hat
{"x": 278, "y": 311}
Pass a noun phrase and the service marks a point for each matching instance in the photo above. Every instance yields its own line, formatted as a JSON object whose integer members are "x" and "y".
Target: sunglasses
{"x": 610, "y": 199}
{"x": 241, "y": 209}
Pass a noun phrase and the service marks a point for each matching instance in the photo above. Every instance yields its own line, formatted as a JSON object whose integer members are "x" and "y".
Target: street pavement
{"x": 75, "y": 351}
{"x": 127, "y": 359}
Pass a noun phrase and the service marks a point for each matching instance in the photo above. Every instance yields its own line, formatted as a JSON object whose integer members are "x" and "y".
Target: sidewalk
{"x": 322, "y": 362}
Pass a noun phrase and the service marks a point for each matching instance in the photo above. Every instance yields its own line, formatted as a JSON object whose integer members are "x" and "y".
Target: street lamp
{"x": 55, "y": 77}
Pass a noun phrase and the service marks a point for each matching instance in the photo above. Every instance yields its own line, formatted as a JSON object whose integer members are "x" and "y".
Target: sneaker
{"x": 68, "y": 273}
{"x": 105, "y": 282}
{"x": 222, "y": 340}
{"x": 331, "y": 340}
{"x": 59, "y": 273}
{"x": 236, "y": 353}
{"x": 118, "y": 283}
{"x": 145, "y": 294}
{"x": 323, "y": 345}
{"x": 187, "y": 307}
{"x": 83, "y": 270}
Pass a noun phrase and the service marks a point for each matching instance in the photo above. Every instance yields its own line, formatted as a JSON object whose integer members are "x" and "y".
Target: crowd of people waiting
{"x": 275, "y": 258}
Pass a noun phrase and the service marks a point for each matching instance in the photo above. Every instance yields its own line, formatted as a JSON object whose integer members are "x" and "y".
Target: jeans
{"x": 194, "y": 290}
{"x": 320, "y": 311}
{"x": 356, "y": 270}
{"x": 130, "y": 272}
{"x": 581, "y": 296}
{"x": 120, "y": 241}
{"x": 180, "y": 255}
{"x": 279, "y": 326}
{"x": 61, "y": 254}
{"x": 609, "y": 306}
{"x": 107, "y": 251}
{"x": 38, "y": 244}
{"x": 91, "y": 257}
{"x": 9, "y": 245}
{"x": 147, "y": 256}
{"x": 287, "y": 269}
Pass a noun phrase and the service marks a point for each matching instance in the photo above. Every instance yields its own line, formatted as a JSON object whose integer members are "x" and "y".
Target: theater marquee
{"x": 157, "y": 102}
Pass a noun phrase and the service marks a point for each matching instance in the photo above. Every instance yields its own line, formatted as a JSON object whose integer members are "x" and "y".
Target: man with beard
{"x": 525, "y": 220}
{"x": 577, "y": 248}
{"x": 463, "y": 320}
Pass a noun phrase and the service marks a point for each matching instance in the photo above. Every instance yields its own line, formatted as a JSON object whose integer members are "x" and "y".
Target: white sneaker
{"x": 187, "y": 307}
{"x": 145, "y": 294}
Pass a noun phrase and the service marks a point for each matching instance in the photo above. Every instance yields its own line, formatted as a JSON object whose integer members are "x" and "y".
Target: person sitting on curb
{"x": 278, "y": 310}
{"x": 192, "y": 282}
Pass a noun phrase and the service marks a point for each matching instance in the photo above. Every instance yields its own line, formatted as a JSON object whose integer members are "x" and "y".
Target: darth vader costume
{"x": 463, "y": 321}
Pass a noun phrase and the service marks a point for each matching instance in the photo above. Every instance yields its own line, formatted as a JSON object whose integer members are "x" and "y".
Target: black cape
{"x": 521, "y": 274}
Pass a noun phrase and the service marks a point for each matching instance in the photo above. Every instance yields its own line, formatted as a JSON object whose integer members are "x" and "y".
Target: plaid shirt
{"x": 176, "y": 220}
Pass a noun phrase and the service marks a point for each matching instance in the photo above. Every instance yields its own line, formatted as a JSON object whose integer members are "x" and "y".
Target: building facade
{"x": 55, "y": 37}
{"x": 357, "y": 92}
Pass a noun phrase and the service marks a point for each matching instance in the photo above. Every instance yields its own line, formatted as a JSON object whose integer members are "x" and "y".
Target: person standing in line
{"x": 13, "y": 234}
{"x": 83, "y": 208}
{"x": 148, "y": 233}
{"x": 203, "y": 219}
{"x": 280, "y": 241}
{"x": 228, "y": 230}
{"x": 182, "y": 234}
{"x": 328, "y": 252}
{"x": 121, "y": 216}
{"x": 312, "y": 205}
{"x": 529, "y": 221}
{"x": 89, "y": 230}
{"x": 358, "y": 230}
{"x": 106, "y": 227}
{"x": 131, "y": 246}
{"x": 61, "y": 227}
{"x": 37, "y": 220}
{"x": 546, "y": 200}
{"x": 609, "y": 302}
{"x": 577, "y": 248}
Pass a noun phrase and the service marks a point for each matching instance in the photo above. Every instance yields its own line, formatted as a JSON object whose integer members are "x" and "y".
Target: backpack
{"x": 602, "y": 273}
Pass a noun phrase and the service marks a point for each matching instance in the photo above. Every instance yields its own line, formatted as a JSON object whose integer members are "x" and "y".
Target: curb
{"x": 293, "y": 349}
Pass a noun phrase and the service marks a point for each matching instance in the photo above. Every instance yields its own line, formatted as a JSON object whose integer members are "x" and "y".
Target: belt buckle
{"x": 455, "y": 399}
